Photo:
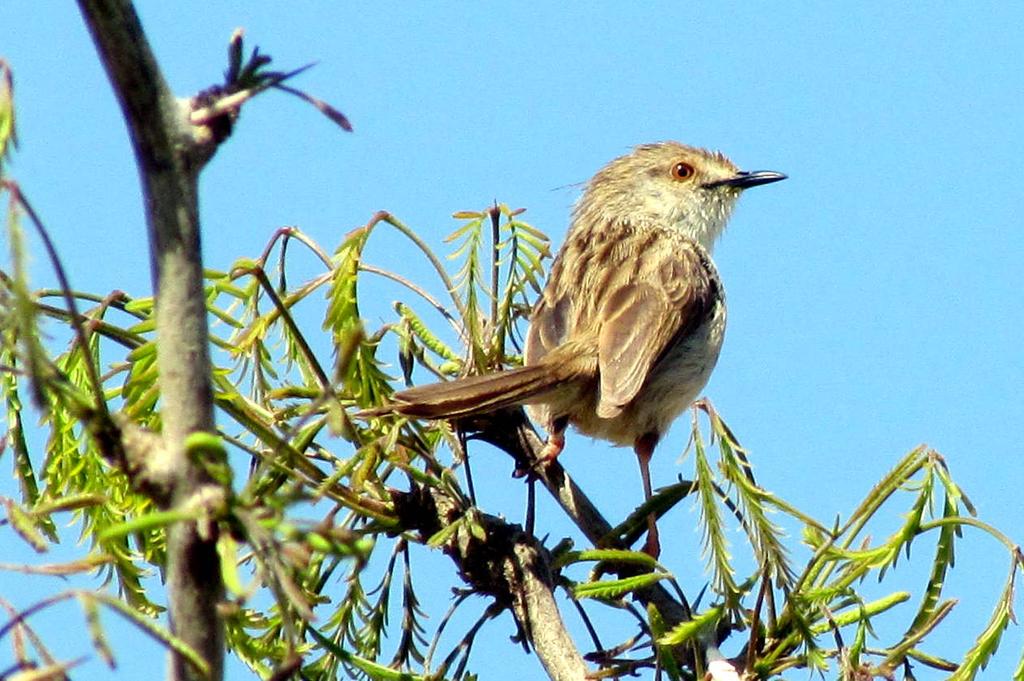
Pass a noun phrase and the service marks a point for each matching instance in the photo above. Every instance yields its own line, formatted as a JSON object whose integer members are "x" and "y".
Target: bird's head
{"x": 691, "y": 189}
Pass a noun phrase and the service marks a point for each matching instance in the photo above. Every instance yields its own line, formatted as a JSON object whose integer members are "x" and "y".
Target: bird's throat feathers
{"x": 701, "y": 219}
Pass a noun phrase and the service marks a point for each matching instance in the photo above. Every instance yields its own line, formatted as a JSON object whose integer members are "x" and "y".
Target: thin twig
{"x": 300, "y": 340}
{"x": 495, "y": 214}
{"x": 290, "y": 232}
{"x": 387, "y": 274}
{"x": 384, "y": 216}
{"x": 81, "y": 332}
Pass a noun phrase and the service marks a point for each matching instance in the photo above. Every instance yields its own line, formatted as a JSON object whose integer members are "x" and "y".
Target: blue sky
{"x": 874, "y": 297}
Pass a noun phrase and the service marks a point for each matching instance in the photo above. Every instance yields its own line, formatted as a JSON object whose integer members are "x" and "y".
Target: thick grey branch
{"x": 510, "y": 566}
{"x": 511, "y": 432}
{"x": 528, "y": 573}
{"x": 169, "y": 163}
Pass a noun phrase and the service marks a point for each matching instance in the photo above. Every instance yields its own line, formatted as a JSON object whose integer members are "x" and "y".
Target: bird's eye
{"x": 682, "y": 171}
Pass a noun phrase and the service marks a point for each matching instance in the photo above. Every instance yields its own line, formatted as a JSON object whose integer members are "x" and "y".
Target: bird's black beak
{"x": 744, "y": 179}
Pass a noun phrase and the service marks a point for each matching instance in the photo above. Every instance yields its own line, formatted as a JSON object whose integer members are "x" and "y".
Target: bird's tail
{"x": 473, "y": 394}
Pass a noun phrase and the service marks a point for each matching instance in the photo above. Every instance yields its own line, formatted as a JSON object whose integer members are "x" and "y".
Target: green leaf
{"x": 716, "y": 546}
{"x": 424, "y": 334}
{"x": 371, "y": 669}
{"x": 613, "y": 588}
{"x": 940, "y": 564}
{"x": 692, "y": 630}
{"x": 862, "y": 613}
{"x": 149, "y": 521}
{"x": 987, "y": 642}
{"x": 72, "y": 502}
{"x": 663, "y": 500}
{"x": 224, "y": 317}
{"x": 23, "y": 468}
{"x": 25, "y": 525}
{"x": 8, "y": 135}
{"x": 766, "y": 538}
{"x": 666, "y": 658}
{"x": 441, "y": 537}
{"x": 607, "y": 555}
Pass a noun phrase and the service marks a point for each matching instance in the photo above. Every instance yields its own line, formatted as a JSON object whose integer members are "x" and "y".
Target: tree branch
{"x": 511, "y": 431}
{"x": 169, "y": 161}
{"x": 509, "y": 565}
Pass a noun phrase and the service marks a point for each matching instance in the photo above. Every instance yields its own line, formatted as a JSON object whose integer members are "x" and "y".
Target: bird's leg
{"x": 556, "y": 440}
{"x": 644, "y": 448}
{"x": 552, "y": 447}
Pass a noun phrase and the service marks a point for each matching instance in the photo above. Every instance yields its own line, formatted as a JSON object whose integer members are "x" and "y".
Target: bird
{"x": 631, "y": 320}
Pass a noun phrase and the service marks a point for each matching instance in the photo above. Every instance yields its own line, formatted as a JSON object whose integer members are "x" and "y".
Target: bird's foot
{"x": 548, "y": 453}
{"x": 552, "y": 448}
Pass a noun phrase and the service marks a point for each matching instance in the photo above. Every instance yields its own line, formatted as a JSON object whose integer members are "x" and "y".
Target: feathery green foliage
{"x": 318, "y": 545}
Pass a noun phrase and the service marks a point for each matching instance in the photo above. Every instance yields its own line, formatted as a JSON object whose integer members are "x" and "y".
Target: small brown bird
{"x": 631, "y": 320}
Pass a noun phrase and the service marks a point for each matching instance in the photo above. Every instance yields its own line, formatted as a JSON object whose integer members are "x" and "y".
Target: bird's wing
{"x": 549, "y": 325}
{"x": 658, "y": 298}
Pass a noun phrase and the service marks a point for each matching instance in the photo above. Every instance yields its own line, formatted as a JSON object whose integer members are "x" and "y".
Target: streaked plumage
{"x": 631, "y": 320}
